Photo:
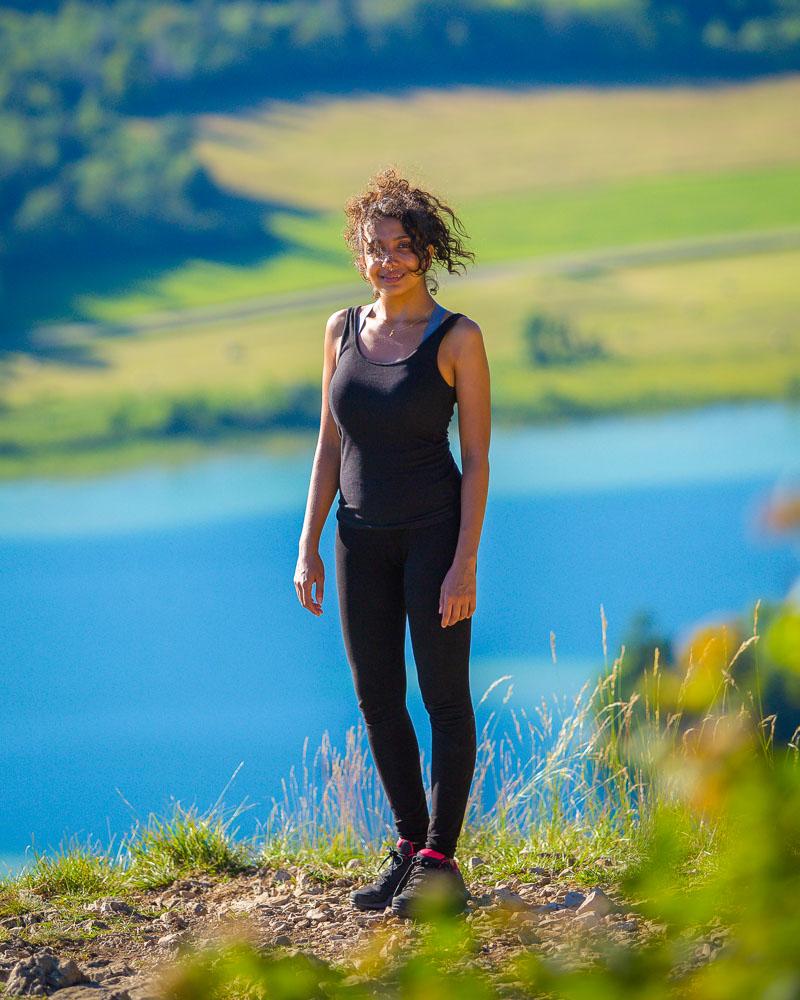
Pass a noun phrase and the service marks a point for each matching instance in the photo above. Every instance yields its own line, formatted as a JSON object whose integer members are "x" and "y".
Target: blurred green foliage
{"x": 550, "y": 340}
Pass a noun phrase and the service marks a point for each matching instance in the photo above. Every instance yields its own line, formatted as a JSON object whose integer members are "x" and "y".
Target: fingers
{"x": 304, "y": 595}
{"x": 455, "y": 608}
{"x": 308, "y": 599}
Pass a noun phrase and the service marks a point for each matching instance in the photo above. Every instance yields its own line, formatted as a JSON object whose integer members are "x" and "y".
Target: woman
{"x": 408, "y": 523}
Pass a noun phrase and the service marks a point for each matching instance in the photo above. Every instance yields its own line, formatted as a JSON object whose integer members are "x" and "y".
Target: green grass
{"x": 677, "y": 334}
{"x": 502, "y": 228}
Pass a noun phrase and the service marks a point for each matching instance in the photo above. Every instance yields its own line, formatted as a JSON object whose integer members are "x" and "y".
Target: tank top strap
{"x": 435, "y": 317}
{"x": 346, "y": 336}
{"x": 441, "y": 327}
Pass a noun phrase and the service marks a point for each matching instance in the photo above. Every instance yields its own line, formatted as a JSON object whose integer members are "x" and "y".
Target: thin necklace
{"x": 414, "y": 322}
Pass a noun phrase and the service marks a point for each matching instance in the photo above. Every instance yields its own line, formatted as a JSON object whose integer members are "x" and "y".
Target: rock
{"x": 587, "y": 919}
{"x": 93, "y": 925}
{"x": 197, "y": 909}
{"x": 475, "y": 862}
{"x": 308, "y": 884}
{"x": 276, "y": 902}
{"x": 574, "y": 899}
{"x": 596, "y": 902}
{"x": 265, "y": 899}
{"x": 281, "y": 875}
{"x": 243, "y": 904}
{"x": 485, "y": 900}
{"x": 110, "y": 904}
{"x": 173, "y": 921}
{"x": 144, "y": 992}
{"x": 318, "y": 913}
{"x": 14, "y": 949}
{"x": 92, "y": 992}
{"x": 246, "y": 905}
{"x": 113, "y": 970}
{"x": 509, "y": 899}
{"x": 281, "y": 940}
{"x": 527, "y": 934}
{"x": 193, "y": 885}
{"x": 524, "y": 925}
{"x": 170, "y": 940}
{"x": 354, "y": 863}
{"x": 43, "y": 973}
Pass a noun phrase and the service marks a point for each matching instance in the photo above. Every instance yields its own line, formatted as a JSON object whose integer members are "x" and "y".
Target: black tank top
{"x": 397, "y": 470}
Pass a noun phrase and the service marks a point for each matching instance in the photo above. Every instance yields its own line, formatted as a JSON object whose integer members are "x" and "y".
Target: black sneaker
{"x": 378, "y": 894}
{"x": 433, "y": 887}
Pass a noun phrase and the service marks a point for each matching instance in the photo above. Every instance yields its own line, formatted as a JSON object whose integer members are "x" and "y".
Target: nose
{"x": 381, "y": 254}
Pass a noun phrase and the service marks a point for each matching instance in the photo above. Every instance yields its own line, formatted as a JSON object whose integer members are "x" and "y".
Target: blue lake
{"x": 152, "y": 639}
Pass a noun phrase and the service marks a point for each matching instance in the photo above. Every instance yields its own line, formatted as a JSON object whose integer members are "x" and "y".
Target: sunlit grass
{"x": 76, "y": 869}
{"x": 677, "y": 334}
{"x": 521, "y": 138}
{"x": 187, "y": 842}
{"x": 502, "y": 228}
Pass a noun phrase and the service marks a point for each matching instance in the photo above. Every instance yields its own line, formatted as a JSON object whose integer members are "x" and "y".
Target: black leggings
{"x": 382, "y": 575}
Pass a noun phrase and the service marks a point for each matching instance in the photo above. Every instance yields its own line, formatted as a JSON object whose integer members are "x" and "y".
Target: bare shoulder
{"x": 465, "y": 337}
{"x": 335, "y": 324}
{"x": 334, "y": 330}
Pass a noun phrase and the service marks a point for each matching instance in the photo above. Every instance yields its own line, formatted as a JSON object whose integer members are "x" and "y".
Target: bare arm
{"x": 471, "y": 367}
{"x": 324, "y": 481}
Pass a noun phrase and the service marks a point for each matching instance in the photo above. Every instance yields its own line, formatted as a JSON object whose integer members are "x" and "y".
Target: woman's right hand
{"x": 310, "y": 571}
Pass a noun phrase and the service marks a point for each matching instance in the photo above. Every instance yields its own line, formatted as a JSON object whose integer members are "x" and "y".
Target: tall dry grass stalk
{"x": 565, "y": 770}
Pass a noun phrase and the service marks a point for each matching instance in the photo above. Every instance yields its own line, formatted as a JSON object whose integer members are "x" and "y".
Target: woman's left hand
{"x": 458, "y": 594}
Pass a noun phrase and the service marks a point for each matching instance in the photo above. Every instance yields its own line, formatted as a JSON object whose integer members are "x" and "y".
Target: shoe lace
{"x": 396, "y": 858}
{"x": 418, "y": 865}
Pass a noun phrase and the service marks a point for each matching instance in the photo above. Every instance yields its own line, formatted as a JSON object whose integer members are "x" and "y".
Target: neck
{"x": 399, "y": 308}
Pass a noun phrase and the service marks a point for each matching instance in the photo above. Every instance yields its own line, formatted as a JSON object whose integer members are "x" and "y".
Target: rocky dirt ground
{"x": 117, "y": 949}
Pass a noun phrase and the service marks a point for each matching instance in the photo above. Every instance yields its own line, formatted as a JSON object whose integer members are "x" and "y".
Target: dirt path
{"x": 563, "y": 264}
{"x": 120, "y": 947}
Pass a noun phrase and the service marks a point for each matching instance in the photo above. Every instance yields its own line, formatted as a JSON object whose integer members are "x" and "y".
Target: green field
{"x": 664, "y": 224}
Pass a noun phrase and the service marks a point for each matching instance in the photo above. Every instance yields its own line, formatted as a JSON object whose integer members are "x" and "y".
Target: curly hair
{"x": 422, "y": 215}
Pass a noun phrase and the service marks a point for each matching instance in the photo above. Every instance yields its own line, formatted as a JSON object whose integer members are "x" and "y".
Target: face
{"x": 389, "y": 257}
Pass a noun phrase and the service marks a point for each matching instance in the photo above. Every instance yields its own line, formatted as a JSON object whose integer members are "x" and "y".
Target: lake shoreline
{"x": 79, "y": 461}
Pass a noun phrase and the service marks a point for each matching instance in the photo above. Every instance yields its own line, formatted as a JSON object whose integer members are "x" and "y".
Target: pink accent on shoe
{"x": 430, "y": 853}
{"x": 402, "y": 840}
